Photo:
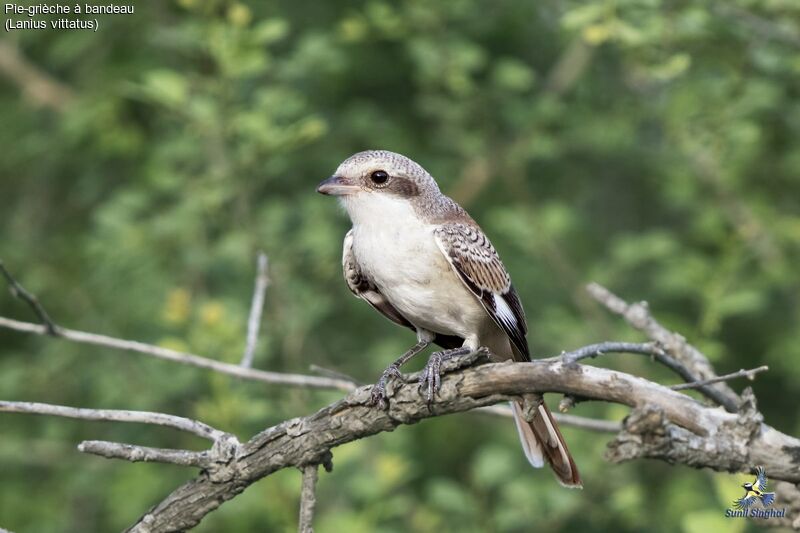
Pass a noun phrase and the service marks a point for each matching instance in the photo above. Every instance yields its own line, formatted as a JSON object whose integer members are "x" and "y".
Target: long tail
{"x": 541, "y": 439}
{"x": 767, "y": 498}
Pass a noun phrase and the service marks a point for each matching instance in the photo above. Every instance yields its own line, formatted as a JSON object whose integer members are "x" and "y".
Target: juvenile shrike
{"x": 417, "y": 257}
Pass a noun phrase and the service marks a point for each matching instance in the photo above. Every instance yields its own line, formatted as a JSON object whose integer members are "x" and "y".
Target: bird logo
{"x": 755, "y": 491}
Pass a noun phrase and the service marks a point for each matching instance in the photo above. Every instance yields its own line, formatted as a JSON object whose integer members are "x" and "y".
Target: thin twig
{"x": 593, "y": 350}
{"x": 133, "y": 453}
{"x": 654, "y": 350}
{"x": 275, "y": 378}
{"x": 18, "y": 291}
{"x": 256, "y": 309}
{"x": 278, "y": 378}
{"x": 693, "y": 364}
{"x": 749, "y": 374}
{"x": 142, "y": 417}
{"x": 581, "y": 422}
{"x": 308, "y": 498}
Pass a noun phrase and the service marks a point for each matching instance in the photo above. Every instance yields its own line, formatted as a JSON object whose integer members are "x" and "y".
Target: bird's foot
{"x": 379, "y": 396}
{"x": 430, "y": 379}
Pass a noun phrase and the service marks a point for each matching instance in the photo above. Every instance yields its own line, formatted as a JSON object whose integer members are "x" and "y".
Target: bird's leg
{"x": 431, "y": 377}
{"x": 378, "y": 396}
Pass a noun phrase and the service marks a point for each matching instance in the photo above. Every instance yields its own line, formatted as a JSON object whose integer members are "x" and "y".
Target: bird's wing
{"x": 364, "y": 288}
{"x": 476, "y": 262}
{"x": 745, "y": 501}
{"x": 761, "y": 479}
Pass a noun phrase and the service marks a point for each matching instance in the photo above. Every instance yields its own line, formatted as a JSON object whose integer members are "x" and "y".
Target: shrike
{"x": 417, "y": 257}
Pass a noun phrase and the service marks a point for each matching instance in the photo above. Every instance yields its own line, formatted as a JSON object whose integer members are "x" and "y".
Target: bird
{"x": 419, "y": 259}
{"x": 755, "y": 491}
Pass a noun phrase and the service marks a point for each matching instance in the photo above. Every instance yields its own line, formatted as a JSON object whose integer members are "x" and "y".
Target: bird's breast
{"x": 393, "y": 255}
{"x": 411, "y": 272}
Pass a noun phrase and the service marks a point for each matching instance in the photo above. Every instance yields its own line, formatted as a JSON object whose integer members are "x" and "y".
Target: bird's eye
{"x": 379, "y": 177}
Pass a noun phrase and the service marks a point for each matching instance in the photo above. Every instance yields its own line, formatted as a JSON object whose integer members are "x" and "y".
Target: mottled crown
{"x": 407, "y": 180}
{"x": 359, "y": 166}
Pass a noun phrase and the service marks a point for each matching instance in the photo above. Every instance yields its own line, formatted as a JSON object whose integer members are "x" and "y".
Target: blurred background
{"x": 651, "y": 146}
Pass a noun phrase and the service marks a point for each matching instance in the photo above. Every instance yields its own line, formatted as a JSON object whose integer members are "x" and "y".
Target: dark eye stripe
{"x": 403, "y": 187}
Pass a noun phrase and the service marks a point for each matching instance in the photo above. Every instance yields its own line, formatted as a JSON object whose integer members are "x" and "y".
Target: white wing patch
{"x": 504, "y": 311}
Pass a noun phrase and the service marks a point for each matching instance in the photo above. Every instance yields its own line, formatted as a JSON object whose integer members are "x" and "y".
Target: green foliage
{"x": 647, "y": 145}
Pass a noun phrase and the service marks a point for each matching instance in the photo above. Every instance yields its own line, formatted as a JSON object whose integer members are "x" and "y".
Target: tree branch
{"x": 639, "y": 317}
{"x": 749, "y": 374}
{"x": 18, "y": 291}
{"x": 141, "y": 417}
{"x": 274, "y": 378}
{"x": 654, "y": 350}
{"x": 663, "y": 424}
{"x": 256, "y": 310}
{"x": 308, "y": 498}
{"x": 712, "y": 438}
{"x": 132, "y": 453}
{"x": 39, "y": 87}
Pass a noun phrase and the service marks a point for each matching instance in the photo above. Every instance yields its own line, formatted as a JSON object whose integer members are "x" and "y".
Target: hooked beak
{"x": 337, "y": 186}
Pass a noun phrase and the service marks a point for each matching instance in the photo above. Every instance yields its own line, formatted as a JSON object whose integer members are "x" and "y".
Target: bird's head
{"x": 378, "y": 183}
{"x": 747, "y": 486}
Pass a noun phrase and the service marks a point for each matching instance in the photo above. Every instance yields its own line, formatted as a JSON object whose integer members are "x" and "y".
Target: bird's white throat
{"x": 373, "y": 209}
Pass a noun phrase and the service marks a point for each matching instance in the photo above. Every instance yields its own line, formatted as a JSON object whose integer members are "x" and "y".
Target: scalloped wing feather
{"x": 478, "y": 265}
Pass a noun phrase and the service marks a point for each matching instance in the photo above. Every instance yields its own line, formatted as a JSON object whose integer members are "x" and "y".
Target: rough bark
{"x": 664, "y": 425}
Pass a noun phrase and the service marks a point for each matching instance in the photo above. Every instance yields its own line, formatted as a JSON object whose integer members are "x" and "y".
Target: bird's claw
{"x": 431, "y": 376}
{"x": 379, "y": 396}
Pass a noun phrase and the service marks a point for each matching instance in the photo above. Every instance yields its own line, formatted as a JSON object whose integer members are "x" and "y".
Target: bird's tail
{"x": 767, "y": 498}
{"x": 542, "y": 440}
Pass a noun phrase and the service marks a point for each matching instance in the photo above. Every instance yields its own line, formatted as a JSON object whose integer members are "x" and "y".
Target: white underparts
{"x": 398, "y": 251}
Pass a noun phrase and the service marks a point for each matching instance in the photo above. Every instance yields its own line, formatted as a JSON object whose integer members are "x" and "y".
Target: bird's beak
{"x": 337, "y": 186}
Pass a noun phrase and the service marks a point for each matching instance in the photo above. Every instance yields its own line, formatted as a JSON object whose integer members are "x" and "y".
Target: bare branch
{"x": 39, "y": 87}
{"x": 663, "y": 424}
{"x": 142, "y": 417}
{"x": 275, "y": 378}
{"x": 593, "y": 350}
{"x": 704, "y": 436}
{"x": 130, "y": 452}
{"x": 639, "y": 317}
{"x": 18, "y": 291}
{"x": 654, "y": 350}
{"x": 749, "y": 374}
{"x": 256, "y": 309}
{"x": 308, "y": 498}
